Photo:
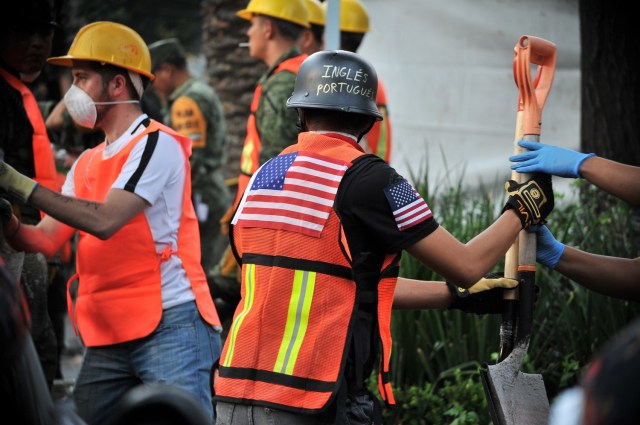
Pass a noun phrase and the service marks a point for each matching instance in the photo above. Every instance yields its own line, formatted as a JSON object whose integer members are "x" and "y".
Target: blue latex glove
{"x": 548, "y": 249}
{"x": 548, "y": 159}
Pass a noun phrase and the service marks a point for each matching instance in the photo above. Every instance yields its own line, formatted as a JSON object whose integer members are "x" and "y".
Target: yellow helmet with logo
{"x": 109, "y": 42}
{"x": 316, "y": 13}
{"x": 288, "y": 10}
{"x": 353, "y": 16}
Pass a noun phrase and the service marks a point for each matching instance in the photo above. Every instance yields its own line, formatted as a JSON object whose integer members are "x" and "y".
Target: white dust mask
{"x": 82, "y": 108}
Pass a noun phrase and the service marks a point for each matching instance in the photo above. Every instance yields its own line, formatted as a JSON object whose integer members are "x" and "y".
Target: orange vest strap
{"x": 44, "y": 163}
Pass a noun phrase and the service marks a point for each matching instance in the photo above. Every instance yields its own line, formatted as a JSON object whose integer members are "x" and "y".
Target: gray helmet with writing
{"x": 337, "y": 80}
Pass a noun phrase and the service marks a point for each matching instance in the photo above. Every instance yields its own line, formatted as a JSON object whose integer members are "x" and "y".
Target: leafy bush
{"x": 436, "y": 354}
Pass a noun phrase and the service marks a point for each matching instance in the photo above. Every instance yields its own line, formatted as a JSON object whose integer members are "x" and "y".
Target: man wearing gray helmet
{"x": 319, "y": 233}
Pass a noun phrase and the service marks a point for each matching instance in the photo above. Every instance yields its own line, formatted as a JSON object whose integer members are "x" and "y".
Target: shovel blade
{"x": 515, "y": 398}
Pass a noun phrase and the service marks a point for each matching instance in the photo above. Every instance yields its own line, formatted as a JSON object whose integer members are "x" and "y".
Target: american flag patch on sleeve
{"x": 407, "y": 205}
{"x": 293, "y": 192}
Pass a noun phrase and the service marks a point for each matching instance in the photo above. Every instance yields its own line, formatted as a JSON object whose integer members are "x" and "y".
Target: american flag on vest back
{"x": 407, "y": 205}
{"x": 293, "y": 192}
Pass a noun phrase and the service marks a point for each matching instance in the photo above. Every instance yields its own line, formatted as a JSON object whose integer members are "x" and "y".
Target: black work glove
{"x": 532, "y": 200}
{"x": 484, "y": 297}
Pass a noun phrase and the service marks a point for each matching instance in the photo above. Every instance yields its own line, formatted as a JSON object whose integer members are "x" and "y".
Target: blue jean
{"x": 180, "y": 352}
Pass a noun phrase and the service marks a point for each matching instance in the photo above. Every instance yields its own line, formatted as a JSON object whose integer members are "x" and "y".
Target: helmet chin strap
{"x": 361, "y": 135}
{"x": 301, "y": 125}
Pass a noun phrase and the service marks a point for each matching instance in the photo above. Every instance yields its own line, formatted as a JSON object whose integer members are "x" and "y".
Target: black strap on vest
{"x": 298, "y": 264}
{"x": 152, "y": 142}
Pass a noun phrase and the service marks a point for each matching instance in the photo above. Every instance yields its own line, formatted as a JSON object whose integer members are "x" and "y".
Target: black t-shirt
{"x": 366, "y": 213}
{"x": 372, "y": 232}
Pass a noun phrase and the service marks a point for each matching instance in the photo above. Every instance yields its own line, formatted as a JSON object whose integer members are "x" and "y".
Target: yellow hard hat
{"x": 108, "y": 42}
{"x": 316, "y": 13}
{"x": 288, "y": 10}
{"x": 353, "y": 16}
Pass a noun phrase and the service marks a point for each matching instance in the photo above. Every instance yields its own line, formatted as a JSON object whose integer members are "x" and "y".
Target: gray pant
{"x": 359, "y": 410}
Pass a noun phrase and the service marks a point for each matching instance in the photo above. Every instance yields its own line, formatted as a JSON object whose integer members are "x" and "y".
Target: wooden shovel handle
{"x": 533, "y": 95}
{"x": 520, "y": 259}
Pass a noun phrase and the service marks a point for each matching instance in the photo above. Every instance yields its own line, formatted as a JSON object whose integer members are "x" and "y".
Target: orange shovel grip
{"x": 533, "y": 93}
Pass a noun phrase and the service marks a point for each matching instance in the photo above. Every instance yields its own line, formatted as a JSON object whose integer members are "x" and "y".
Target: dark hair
{"x": 351, "y": 41}
{"x": 108, "y": 72}
{"x": 176, "y": 59}
{"x": 343, "y": 122}
{"x": 286, "y": 28}
{"x": 318, "y": 32}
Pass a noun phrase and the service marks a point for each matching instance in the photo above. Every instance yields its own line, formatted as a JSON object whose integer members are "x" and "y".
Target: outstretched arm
{"x": 101, "y": 219}
{"x": 613, "y": 177}
{"x": 528, "y": 203}
{"x": 412, "y": 294}
{"x": 466, "y": 263}
{"x": 484, "y": 297}
{"x": 612, "y": 276}
{"x": 620, "y": 180}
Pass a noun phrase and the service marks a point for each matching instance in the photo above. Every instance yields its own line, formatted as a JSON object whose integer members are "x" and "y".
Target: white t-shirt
{"x": 161, "y": 185}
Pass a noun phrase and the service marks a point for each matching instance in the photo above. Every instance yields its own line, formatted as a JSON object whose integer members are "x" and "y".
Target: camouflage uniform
{"x": 275, "y": 122}
{"x": 194, "y": 110}
{"x": 277, "y": 128}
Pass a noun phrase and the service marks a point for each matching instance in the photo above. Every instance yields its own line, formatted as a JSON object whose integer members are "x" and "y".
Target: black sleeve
{"x": 366, "y": 212}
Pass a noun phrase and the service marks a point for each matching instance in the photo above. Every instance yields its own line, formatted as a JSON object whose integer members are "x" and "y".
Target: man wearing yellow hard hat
{"x": 276, "y": 25}
{"x": 143, "y": 307}
{"x": 354, "y": 25}
{"x": 312, "y": 40}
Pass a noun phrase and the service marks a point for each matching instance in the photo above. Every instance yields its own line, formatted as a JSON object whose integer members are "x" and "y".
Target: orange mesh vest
{"x": 44, "y": 163}
{"x": 287, "y": 344}
{"x": 250, "y": 159}
{"x": 119, "y": 297}
{"x": 379, "y": 137}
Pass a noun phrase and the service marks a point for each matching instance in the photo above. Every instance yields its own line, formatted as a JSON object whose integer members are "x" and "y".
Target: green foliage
{"x": 455, "y": 398}
{"x": 570, "y": 322}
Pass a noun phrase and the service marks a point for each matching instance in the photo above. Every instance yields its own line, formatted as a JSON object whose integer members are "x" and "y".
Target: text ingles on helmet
{"x": 349, "y": 81}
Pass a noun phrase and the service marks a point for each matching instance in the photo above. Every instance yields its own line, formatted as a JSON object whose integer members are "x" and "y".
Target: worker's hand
{"x": 484, "y": 297}
{"x": 532, "y": 200}
{"x": 548, "y": 159}
{"x": 16, "y": 183}
{"x": 548, "y": 249}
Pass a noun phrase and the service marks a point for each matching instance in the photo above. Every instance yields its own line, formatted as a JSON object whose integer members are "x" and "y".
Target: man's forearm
{"x": 611, "y": 276}
{"x": 618, "y": 179}
{"x": 411, "y": 294}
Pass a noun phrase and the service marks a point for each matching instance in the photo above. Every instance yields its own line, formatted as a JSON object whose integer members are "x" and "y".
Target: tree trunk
{"x": 610, "y": 114}
{"x": 230, "y": 69}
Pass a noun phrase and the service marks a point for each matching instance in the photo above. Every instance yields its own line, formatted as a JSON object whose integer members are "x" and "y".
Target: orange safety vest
{"x": 119, "y": 296}
{"x": 250, "y": 158}
{"x": 287, "y": 344}
{"x": 44, "y": 163}
{"x": 379, "y": 137}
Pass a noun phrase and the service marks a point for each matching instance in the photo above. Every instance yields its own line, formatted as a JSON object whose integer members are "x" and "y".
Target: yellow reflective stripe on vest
{"x": 297, "y": 321}
{"x": 381, "y": 150}
{"x": 246, "y": 164}
{"x": 249, "y": 288}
